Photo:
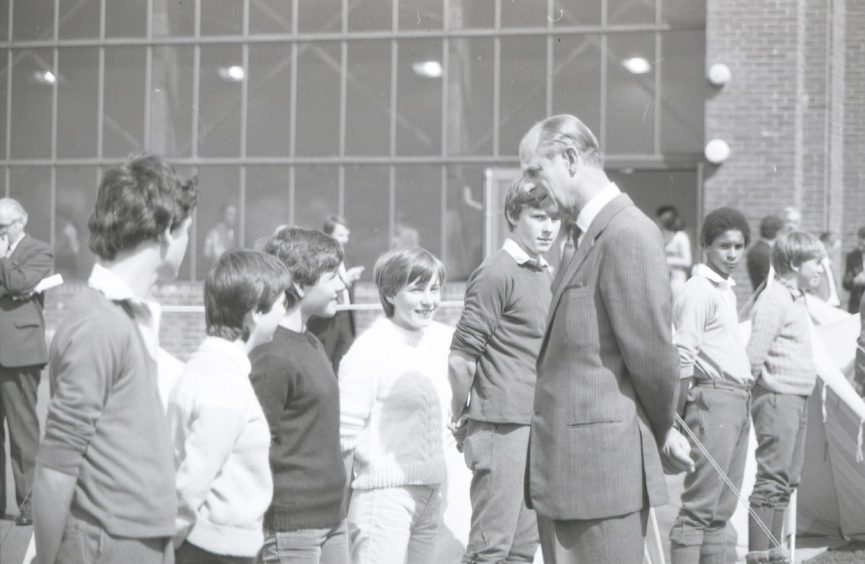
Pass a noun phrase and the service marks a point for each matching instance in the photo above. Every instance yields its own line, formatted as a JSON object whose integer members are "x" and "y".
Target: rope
{"x": 729, "y": 483}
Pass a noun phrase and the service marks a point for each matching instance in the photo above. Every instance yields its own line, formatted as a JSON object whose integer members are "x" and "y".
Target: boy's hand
{"x": 458, "y": 428}
{"x": 676, "y": 453}
{"x": 353, "y": 274}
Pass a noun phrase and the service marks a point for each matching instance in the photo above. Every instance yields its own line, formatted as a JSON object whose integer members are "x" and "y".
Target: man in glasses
{"x": 24, "y": 261}
{"x": 608, "y": 372}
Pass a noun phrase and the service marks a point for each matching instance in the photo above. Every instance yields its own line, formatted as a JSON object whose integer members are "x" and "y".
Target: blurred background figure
{"x": 854, "y": 277}
{"x": 404, "y": 236}
{"x": 827, "y": 288}
{"x": 760, "y": 253}
{"x": 222, "y": 236}
{"x": 337, "y": 333}
{"x": 677, "y": 246}
{"x": 792, "y": 219}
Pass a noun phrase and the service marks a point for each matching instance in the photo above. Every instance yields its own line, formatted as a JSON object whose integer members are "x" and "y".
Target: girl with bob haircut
{"x": 221, "y": 436}
{"x": 394, "y": 398}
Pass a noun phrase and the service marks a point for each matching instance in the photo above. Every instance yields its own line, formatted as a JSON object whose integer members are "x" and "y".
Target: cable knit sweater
{"x": 394, "y": 398}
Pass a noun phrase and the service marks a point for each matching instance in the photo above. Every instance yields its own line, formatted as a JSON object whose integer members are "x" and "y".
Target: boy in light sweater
{"x": 221, "y": 437}
{"x": 781, "y": 360}
{"x": 716, "y": 390}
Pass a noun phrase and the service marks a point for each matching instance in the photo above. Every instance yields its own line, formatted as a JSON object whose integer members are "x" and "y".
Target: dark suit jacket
{"x": 852, "y": 268}
{"x": 608, "y": 374}
{"x": 759, "y": 258}
{"x": 22, "y": 325}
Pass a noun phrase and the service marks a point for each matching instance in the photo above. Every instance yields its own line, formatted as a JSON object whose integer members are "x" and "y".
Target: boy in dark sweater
{"x": 493, "y": 355}
{"x": 104, "y": 486}
{"x": 297, "y": 388}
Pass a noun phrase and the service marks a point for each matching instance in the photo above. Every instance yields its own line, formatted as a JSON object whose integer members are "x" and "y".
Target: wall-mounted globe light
{"x": 719, "y": 74}
{"x": 717, "y": 151}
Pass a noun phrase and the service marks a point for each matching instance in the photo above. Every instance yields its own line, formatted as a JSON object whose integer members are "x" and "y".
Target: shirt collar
{"x": 591, "y": 210}
{"x": 520, "y": 255}
{"x": 14, "y": 245}
{"x": 794, "y": 291}
{"x": 112, "y": 286}
{"x": 229, "y": 349}
{"x": 712, "y": 276}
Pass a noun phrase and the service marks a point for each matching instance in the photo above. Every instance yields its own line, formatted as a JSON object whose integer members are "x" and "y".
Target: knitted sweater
{"x": 295, "y": 383}
{"x": 221, "y": 446}
{"x": 394, "y": 398}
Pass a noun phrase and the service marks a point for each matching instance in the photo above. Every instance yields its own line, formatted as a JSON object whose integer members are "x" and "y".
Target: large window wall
{"x": 386, "y": 112}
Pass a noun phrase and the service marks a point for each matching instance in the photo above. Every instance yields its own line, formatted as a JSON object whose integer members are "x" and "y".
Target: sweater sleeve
{"x": 272, "y": 382}
{"x": 486, "y": 296}
{"x": 690, "y": 313}
{"x": 357, "y": 393}
{"x": 767, "y": 320}
{"x": 83, "y": 363}
{"x": 214, "y": 426}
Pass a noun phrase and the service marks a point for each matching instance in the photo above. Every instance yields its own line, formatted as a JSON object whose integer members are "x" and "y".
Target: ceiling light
{"x": 427, "y": 69}
{"x": 233, "y": 73}
{"x": 44, "y": 77}
{"x": 637, "y": 65}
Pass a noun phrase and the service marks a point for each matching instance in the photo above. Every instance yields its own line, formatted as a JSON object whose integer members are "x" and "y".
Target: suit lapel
{"x": 21, "y": 245}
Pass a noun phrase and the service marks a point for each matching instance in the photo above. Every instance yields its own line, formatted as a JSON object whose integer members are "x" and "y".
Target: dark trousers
{"x": 18, "y": 407}
{"x": 613, "y": 540}
{"x": 718, "y": 416}
{"x": 190, "y": 554}
{"x": 779, "y": 423}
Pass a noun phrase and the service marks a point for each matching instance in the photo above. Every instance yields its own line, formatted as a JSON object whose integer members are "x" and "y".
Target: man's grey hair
{"x": 560, "y": 132}
{"x": 14, "y": 205}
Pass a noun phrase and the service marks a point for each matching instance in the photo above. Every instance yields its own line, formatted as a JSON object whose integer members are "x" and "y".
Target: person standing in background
{"x": 759, "y": 258}
{"x": 827, "y": 289}
{"x": 24, "y": 261}
{"x": 854, "y": 276}
{"x": 677, "y": 246}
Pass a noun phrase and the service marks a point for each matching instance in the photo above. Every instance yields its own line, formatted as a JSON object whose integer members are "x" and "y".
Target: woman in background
{"x": 677, "y": 246}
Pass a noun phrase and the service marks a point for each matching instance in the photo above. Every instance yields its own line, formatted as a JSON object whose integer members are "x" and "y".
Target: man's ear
{"x": 570, "y": 154}
{"x": 389, "y": 299}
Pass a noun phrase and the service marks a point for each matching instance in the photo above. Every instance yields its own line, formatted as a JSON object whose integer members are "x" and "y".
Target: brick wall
{"x": 180, "y": 333}
{"x": 854, "y": 120}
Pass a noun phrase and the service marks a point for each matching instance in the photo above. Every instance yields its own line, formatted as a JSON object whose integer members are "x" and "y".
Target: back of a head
{"x": 399, "y": 267}
{"x": 770, "y": 225}
{"x": 136, "y": 202}
{"x": 306, "y": 253}
{"x": 557, "y": 133}
{"x": 241, "y": 281}
{"x": 793, "y": 248}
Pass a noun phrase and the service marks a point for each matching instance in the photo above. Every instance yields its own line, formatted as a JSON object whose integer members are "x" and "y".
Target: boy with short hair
{"x": 104, "y": 486}
{"x": 781, "y": 360}
{"x": 221, "y": 437}
{"x": 298, "y": 391}
{"x": 716, "y": 384}
{"x": 493, "y": 356}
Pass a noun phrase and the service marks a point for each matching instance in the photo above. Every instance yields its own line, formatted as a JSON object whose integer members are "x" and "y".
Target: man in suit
{"x": 760, "y": 254}
{"x": 608, "y": 372}
{"x": 24, "y": 261}
{"x": 854, "y": 277}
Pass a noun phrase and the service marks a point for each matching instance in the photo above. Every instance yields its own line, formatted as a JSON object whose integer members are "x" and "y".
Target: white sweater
{"x": 394, "y": 400}
{"x": 221, "y": 446}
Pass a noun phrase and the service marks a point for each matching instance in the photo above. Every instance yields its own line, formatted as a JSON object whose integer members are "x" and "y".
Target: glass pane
{"x": 268, "y": 120}
{"x": 78, "y": 19}
{"x": 464, "y": 14}
{"x": 524, "y": 13}
{"x": 76, "y": 194}
{"x": 219, "y": 100}
{"x": 631, "y": 11}
{"x": 125, "y": 19}
{"x": 367, "y": 210}
{"x": 222, "y": 17}
{"x": 32, "y": 89}
{"x": 123, "y": 130}
{"x": 419, "y": 103}
{"x": 171, "y": 100}
{"x": 418, "y": 208}
{"x": 577, "y": 78}
{"x": 577, "y": 12}
{"x": 630, "y": 94}
{"x": 320, "y": 15}
{"x": 218, "y": 228}
{"x": 31, "y": 186}
{"x": 270, "y": 16}
{"x": 366, "y": 15}
{"x": 4, "y": 20}
{"x": 173, "y": 18}
{"x": 420, "y": 14}
{"x": 523, "y": 89}
{"x": 33, "y": 20}
{"x": 470, "y": 97}
{"x": 464, "y": 220}
{"x": 684, "y": 13}
{"x": 316, "y": 194}
{"x": 318, "y": 68}
{"x": 267, "y": 202}
{"x": 77, "y": 98}
{"x": 4, "y": 77}
{"x": 368, "y": 98}
{"x": 683, "y": 91}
